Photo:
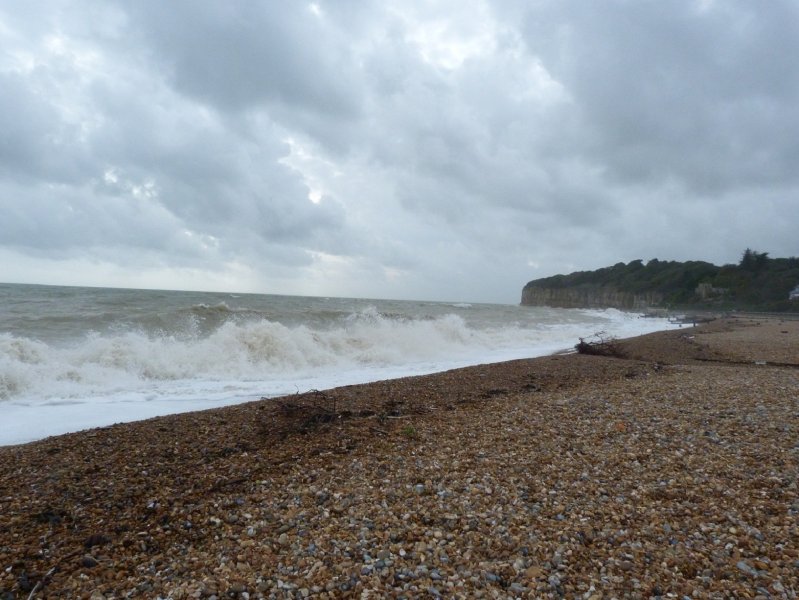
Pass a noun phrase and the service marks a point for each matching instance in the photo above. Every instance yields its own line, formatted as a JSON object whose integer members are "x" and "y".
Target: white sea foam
{"x": 122, "y": 375}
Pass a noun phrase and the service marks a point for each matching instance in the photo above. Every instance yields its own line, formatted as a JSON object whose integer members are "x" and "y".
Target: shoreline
{"x": 32, "y": 419}
{"x": 670, "y": 471}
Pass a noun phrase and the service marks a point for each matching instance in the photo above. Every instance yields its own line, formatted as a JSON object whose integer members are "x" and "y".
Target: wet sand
{"x": 669, "y": 473}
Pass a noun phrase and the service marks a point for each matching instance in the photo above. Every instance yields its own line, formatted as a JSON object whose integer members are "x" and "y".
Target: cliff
{"x": 758, "y": 282}
{"x": 589, "y": 296}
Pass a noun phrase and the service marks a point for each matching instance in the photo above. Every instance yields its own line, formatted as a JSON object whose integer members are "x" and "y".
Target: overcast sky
{"x": 391, "y": 149}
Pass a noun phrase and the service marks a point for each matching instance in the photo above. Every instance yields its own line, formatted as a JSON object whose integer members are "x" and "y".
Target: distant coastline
{"x": 757, "y": 283}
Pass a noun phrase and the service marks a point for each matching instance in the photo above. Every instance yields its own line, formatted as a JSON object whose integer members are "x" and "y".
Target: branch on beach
{"x": 600, "y": 344}
{"x": 41, "y": 583}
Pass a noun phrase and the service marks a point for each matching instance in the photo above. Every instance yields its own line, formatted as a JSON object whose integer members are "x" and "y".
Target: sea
{"x": 73, "y": 358}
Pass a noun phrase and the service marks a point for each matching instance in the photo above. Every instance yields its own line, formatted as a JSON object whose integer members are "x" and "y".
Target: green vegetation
{"x": 757, "y": 282}
{"x": 410, "y": 432}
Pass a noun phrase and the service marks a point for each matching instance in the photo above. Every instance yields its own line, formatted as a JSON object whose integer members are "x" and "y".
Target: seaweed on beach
{"x": 305, "y": 412}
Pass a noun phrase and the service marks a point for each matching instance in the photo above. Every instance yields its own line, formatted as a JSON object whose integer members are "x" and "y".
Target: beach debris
{"x": 600, "y": 344}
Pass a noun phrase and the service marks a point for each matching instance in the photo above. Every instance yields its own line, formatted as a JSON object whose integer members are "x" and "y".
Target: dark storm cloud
{"x": 674, "y": 90}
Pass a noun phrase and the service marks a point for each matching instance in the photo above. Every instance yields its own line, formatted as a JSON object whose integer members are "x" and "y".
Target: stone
{"x": 648, "y": 507}
{"x": 533, "y": 572}
{"x": 88, "y": 561}
{"x": 745, "y": 567}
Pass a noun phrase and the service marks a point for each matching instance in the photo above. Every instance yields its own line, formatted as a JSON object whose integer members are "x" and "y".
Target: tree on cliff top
{"x": 757, "y": 282}
{"x": 753, "y": 261}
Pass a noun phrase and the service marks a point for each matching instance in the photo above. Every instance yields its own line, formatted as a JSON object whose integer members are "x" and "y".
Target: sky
{"x": 440, "y": 150}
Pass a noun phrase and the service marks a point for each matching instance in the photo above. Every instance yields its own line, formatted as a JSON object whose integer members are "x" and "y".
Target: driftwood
{"x": 41, "y": 583}
{"x": 601, "y": 344}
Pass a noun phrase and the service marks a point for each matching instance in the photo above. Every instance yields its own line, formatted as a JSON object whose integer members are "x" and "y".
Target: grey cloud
{"x": 474, "y": 144}
{"x": 35, "y": 142}
{"x": 206, "y": 175}
{"x": 240, "y": 56}
{"x": 61, "y": 218}
{"x": 671, "y": 91}
{"x": 24, "y": 122}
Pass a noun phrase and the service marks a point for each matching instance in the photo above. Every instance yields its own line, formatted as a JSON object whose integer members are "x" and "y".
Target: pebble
{"x": 745, "y": 567}
{"x": 88, "y": 561}
{"x": 606, "y": 479}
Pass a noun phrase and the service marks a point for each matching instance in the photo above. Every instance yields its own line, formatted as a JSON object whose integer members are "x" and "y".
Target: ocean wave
{"x": 221, "y": 307}
{"x": 239, "y": 353}
{"x": 110, "y": 361}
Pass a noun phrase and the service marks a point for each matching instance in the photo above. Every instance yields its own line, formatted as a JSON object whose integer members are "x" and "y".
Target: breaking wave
{"x": 160, "y": 358}
{"x": 242, "y": 353}
{"x": 250, "y": 350}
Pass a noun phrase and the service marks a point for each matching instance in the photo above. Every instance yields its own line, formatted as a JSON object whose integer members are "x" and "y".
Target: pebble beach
{"x": 668, "y": 471}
